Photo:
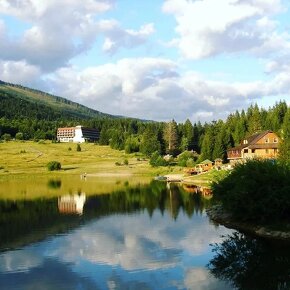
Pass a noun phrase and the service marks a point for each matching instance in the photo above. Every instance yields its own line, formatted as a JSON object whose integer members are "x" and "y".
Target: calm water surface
{"x": 146, "y": 236}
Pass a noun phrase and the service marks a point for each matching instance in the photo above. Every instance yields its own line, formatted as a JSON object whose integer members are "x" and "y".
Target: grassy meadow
{"x": 18, "y": 158}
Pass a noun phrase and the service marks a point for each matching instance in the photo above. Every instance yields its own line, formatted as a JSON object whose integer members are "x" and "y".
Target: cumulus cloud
{"x": 137, "y": 245}
{"x": 116, "y": 36}
{"x": 209, "y": 27}
{"x": 19, "y": 72}
{"x": 152, "y": 88}
{"x": 54, "y": 38}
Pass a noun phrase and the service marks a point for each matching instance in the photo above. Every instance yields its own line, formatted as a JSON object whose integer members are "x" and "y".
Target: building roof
{"x": 206, "y": 161}
{"x": 252, "y": 140}
{"x": 264, "y": 146}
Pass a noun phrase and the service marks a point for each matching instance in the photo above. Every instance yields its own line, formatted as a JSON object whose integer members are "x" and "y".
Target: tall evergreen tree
{"x": 171, "y": 137}
{"x": 284, "y": 148}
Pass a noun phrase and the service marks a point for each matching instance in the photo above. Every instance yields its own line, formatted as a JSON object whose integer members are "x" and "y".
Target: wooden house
{"x": 204, "y": 166}
{"x": 259, "y": 145}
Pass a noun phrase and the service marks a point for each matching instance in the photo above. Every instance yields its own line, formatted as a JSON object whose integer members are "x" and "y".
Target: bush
{"x": 6, "y": 137}
{"x": 157, "y": 160}
{"x": 79, "y": 148}
{"x": 19, "y": 136}
{"x": 53, "y": 165}
{"x": 126, "y": 162}
{"x": 256, "y": 191}
{"x": 186, "y": 158}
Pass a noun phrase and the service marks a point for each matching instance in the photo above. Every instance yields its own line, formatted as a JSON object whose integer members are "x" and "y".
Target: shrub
{"x": 118, "y": 163}
{"x": 19, "y": 136}
{"x": 126, "y": 162}
{"x": 186, "y": 158}
{"x": 79, "y": 148}
{"x": 257, "y": 190}
{"x": 53, "y": 165}
{"x": 157, "y": 160}
{"x": 6, "y": 137}
{"x": 69, "y": 148}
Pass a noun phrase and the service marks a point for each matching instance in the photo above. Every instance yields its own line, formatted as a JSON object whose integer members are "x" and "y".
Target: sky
{"x": 156, "y": 59}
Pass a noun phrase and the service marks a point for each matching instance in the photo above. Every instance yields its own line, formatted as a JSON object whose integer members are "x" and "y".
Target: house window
{"x": 253, "y": 150}
{"x": 245, "y": 141}
{"x": 275, "y": 140}
{"x": 246, "y": 151}
{"x": 266, "y": 140}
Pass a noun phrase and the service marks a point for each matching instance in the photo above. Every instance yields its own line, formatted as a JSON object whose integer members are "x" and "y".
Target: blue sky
{"x": 157, "y": 60}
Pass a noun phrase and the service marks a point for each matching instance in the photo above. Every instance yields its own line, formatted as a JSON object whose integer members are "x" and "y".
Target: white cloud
{"x": 117, "y": 37}
{"x": 54, "y": 38}
{"x": 136, "y": 243}
{"x": 151, "y": 88}
{"x": 210, "y": 27}
{"x": 19, "y": 72}
{"x": 200, "y": 278}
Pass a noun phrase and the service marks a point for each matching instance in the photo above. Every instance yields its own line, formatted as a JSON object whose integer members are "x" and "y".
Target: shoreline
{"x": 217, "y": 214}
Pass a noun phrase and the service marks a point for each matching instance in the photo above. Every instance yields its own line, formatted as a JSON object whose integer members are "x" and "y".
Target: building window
{"x": 266, "y": 140}
{"x": 245, "y": 141}
{"x": 246, "y": 151}
{"x": 253, "y": 150}
{"x": 275, "y": 140}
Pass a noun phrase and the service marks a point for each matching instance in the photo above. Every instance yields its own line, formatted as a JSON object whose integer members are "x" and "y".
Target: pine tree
{"x": 171, "y": 137}
{"x": 284, "y": 148}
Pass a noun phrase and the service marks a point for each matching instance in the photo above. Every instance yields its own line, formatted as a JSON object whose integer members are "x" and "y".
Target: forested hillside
{"x": 25, "y": 117}
{"x": 21, "y": 102}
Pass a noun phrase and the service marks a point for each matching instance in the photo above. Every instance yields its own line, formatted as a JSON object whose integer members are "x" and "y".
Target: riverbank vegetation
{"x": 257, "y": 191}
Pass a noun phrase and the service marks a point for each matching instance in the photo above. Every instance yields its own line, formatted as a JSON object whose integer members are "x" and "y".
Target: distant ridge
{"x": 17, "y": 101}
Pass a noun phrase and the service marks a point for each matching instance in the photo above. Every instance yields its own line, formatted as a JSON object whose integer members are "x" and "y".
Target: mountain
{"x": 17, "y": 102}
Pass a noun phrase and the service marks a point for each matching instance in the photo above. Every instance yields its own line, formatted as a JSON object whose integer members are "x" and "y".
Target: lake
{"x": 72, "y": 233}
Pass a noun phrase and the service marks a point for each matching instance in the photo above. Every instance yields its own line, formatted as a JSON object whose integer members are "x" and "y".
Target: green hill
{"x": 21, "y": 102}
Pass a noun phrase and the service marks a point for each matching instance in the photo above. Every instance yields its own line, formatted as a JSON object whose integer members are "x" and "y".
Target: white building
{"x": 78, "y": 134}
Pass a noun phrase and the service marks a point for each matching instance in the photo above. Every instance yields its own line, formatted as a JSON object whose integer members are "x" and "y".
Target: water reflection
{"x": 248, "y": 263}
{"x": 142, "y": 237}
{"x": 72, "y": 203}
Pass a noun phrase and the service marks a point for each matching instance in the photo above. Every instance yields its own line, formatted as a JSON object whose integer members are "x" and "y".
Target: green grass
{"x": 20, "y": 158}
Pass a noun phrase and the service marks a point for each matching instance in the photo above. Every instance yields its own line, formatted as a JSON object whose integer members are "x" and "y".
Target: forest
{"x": 23, "y": 119}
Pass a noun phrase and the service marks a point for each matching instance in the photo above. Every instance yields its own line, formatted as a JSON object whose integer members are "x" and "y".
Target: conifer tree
{"x": 171, "y": 137}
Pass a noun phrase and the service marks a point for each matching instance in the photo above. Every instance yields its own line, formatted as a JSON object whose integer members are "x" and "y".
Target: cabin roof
{"x": 252, "y": 140}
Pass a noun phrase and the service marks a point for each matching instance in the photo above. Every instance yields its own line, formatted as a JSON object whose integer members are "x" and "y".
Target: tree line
{"x": 208, "y": 140}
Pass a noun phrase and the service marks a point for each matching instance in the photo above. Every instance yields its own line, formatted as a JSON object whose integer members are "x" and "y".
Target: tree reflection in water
{"x": 250, "y": 263}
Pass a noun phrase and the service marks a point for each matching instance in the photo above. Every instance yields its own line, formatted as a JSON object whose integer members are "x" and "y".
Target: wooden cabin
{"x": 259, "y": 145}
{"x": 204, "y": 166}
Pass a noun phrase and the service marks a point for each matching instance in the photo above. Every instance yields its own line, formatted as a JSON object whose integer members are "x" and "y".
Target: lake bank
{"x": 219, "y": 215}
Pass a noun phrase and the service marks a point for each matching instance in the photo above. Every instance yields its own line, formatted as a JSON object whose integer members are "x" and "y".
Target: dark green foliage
{"x": 248, "y": 263}
{"x": 157, "y": 160}
{"x": 126, "y": 162}
{"x": 150, "y": 143}
{"x": 19, "y": 136}
{"x": 79, "y": 148}
{"x": 54, "y": 183}
{"x": 53, "y": 165}
{"x": 256, "y": 191}
{"x": 284, "y": 149}
{"x": 6, "y": 137}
